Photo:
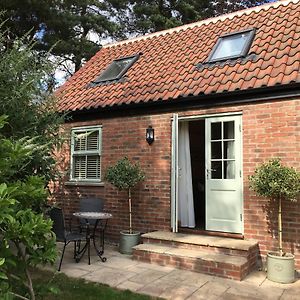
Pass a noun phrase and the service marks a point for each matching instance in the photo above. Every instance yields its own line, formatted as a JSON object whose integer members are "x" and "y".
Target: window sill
{"x": 84, "y": 183}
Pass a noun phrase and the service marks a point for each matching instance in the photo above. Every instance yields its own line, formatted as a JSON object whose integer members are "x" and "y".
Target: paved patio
{"x": 122, "y": 272}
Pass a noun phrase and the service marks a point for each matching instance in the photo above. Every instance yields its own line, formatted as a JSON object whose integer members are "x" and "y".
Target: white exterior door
{"x": 224, "y": 198}
{"x": 174, "y": 175}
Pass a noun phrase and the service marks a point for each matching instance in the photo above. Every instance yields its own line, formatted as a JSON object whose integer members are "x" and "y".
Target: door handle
{"x": 208, "y": 171}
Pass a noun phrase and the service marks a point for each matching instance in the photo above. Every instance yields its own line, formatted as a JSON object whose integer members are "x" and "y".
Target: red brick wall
{"x": 151, "y": 199}
{"x": 270, "y": 129}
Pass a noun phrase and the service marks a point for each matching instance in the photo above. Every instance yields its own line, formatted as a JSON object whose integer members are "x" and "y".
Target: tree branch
{"x": 19, "y": 296}
{"x": 29, "y": 281}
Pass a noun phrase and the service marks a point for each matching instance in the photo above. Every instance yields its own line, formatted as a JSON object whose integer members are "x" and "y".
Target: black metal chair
{"x": 96, "y": 227}
{"x": 62, "y": 235}
{"x": 90, "y": 205}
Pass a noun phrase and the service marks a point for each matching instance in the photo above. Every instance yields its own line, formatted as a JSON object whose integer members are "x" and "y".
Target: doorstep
{"x": 223, "y": 257}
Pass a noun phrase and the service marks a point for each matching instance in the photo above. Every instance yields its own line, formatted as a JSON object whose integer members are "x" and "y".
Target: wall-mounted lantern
{"x": 150, "y": 135}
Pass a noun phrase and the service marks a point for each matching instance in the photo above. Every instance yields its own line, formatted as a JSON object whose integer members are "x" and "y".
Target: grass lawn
{"x": 73, "y": 289}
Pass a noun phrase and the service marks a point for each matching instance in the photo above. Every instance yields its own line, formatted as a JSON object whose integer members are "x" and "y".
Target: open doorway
{"x": 191, "y": 181}
{"x": 207, "y": 179}
{"x": 197, "y": 150}
{"x": 191, "y": 161}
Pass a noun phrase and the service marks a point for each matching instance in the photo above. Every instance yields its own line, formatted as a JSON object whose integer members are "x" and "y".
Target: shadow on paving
{"x": 121, "y": 272}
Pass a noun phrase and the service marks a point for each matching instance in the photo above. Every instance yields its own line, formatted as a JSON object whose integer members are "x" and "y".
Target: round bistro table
{"x": 101, "y": 220}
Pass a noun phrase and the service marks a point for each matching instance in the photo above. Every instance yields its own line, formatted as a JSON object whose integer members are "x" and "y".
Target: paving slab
{"x": 110, "y": 276}
{"x": 156, "y": 267}
{"x": 179, "y": 292}
{"x": 122, "y": 272}
{"x": 271, "y": 284}
{"x": 209, "y": 291}
{"x": 83, "y": 265}
{"x": 158, "y": 287}
{"x": 229, "y": 296}
{"x": 70, "y": 271}
{"x": 291, "y": 294}
{"x": 256, "y": 278}
{"x": 137, "y": 269}
{"x": 129, "y": 285}
{"x": 147, "y": 276}
{"x": 120, "y": 262}
{"x": 247, "y": 290}
{"x": 224, "y": 281}
{"x": 149, "y": 290}
{"x": 187, "y": 278}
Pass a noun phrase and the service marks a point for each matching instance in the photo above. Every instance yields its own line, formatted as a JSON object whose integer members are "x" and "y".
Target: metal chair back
{"x": 58, "y": 227}
{"x": 91, "y": 205}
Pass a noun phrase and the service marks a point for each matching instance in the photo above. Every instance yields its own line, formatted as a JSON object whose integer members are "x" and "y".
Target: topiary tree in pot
{"x": 277, "y": 182}
{"x": 125, "y": 176}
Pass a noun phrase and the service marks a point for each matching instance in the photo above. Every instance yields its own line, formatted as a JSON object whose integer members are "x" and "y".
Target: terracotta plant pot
{"x": 128, "y": 240}
{"x": 281, "y": 269}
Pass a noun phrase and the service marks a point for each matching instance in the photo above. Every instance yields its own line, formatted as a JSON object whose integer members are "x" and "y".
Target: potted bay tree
{"x": 278, "y": 183}
{"x": 125, "y": 176}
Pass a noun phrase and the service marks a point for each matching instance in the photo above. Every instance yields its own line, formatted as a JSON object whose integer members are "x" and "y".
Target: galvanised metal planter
{"x": 128, "y": 240}
{"x": 281, "y": 269}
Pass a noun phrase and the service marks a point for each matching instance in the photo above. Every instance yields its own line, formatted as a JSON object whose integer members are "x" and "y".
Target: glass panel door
{"x": 222, "y": 145}
{"x": 224, "y": 203}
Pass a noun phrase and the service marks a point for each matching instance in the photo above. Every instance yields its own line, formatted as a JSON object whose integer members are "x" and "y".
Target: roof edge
{"x": 211, "y": 100}
{"x": 203, "y": 22}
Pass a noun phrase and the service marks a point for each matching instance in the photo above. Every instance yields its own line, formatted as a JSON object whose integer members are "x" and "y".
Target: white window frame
{"x": 243, "y": 52}
{"x": 87, "y": 152}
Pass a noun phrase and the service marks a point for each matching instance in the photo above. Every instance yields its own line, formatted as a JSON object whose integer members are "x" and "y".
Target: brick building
{"x": 222, "y": 96}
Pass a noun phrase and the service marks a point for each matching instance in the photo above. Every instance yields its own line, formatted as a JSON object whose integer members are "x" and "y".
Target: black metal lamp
{"x": 150, "y": 135}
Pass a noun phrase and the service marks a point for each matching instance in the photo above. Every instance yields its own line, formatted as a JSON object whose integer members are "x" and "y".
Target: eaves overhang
{"x": 278, "y": 92}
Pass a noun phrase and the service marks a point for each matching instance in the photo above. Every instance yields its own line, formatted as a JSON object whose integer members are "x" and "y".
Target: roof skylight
{"x": 117, "y": 69}
{"x": 232, "y": 45}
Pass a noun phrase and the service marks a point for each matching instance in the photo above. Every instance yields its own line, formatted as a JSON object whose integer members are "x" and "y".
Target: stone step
{"x": 230, "y": 246}
{"x": 211, "y": 263}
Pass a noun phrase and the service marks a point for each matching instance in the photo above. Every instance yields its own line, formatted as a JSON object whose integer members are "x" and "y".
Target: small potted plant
{"x": 125, "y": 176}
{"x": 278, "y": 183}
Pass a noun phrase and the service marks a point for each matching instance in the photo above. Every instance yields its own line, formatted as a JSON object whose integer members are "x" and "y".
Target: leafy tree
{"x": 28, "y": 136}
{"x": 276, "y": 182}
{"x": 64, "y": 23}
{"x": 125, "y": 175}
{"x": 26, "y": 239}
{"x": 75, "y": 30}
{"x": 142, "y": 16}
{"x": 30, "y": 108}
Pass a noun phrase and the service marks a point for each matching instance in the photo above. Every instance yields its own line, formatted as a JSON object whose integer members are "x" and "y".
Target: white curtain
{"x": 230, "y": 165}
{"x": 229, "y": 149}
{"x": 186, "y": 213}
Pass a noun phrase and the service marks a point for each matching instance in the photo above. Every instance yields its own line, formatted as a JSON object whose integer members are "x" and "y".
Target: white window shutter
{"x": 93, "y": 166}
{"x": 86, "y": 153}
{"x": 93, "y": 141}
{"x": 80, "y": 167}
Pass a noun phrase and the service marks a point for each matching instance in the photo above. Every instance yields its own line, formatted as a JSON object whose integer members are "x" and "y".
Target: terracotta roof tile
{"x": 173, "y": 63}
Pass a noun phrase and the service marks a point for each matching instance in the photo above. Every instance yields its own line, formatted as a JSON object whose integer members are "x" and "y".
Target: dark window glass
{"x": 116, "y": 69}
{"x": 229, "y": 130}
{"x": 216, "y": 150}
{"x": 216, "y": 170}
{"x": 216, "y": 131}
